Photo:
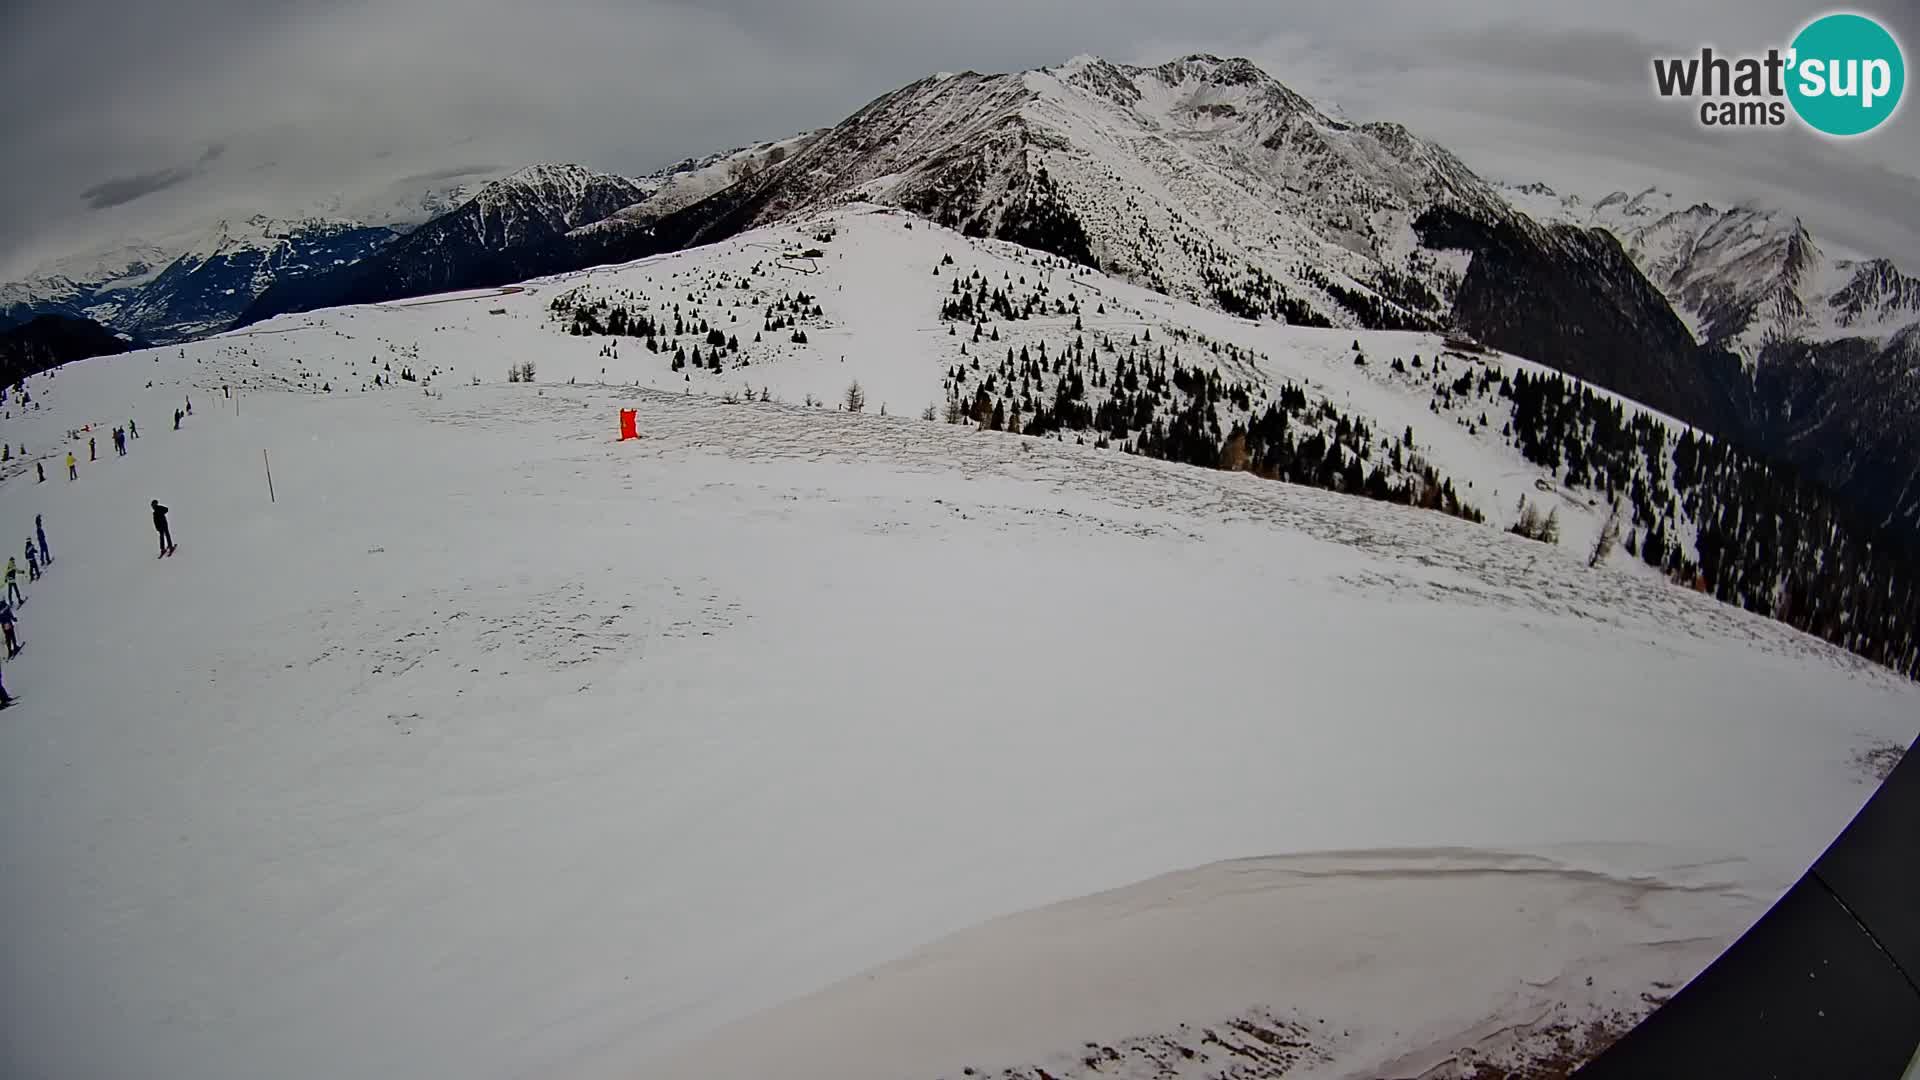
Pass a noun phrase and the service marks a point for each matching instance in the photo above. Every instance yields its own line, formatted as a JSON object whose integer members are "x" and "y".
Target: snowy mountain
{"x": 1206, "y": 180}
{"x": 686, "y": 182}
{"x": 542, "y": 200}
{"x": 1202, "y": 177}
{"x": 1826, "y": 339}
{"x": 97, "y": 282}
{"x": 790, "y": 741}
{"x": 512, "y": 228}
{"x": 199, "y": 280}
{"x": 194, "y": 284}
{"x": 206, "y": 287}
{"x": 1746, "y": 277}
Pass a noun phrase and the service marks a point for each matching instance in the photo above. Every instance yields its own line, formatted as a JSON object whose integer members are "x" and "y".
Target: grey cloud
{"x": 124, "y": 189}
{"x": 452, "y": 172}
{"x": 1602, "y": 57}
{"x": 349, "y": 98}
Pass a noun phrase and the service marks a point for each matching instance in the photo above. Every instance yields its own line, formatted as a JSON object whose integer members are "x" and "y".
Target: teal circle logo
{"x": 1847, "y": 74}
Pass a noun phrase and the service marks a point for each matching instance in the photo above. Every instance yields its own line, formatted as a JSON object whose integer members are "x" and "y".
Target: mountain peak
{"x": 1231, "y": 71}
{"x": 562, "y": 196}
{"x": 547, "y": 175}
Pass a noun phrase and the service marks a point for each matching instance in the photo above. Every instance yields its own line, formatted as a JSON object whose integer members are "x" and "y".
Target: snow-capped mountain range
{"x": 192, "y": 285}
{"x": 1745, "y": 277}
{"x": 1827, "y": 341}
{"x": 1207, "y": 180}
{"x": 1201, "y": 177}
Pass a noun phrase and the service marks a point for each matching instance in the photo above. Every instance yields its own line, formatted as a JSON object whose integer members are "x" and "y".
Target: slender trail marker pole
{"x": 269, "y": 465}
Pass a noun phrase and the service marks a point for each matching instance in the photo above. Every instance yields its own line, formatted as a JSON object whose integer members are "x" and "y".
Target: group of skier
{"x": 37, "y": 557}
{"x": 120, "y": 437}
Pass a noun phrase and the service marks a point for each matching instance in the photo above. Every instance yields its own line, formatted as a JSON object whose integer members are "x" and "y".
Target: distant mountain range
{"x": 187, "y": 286}
{"x": 1827, "y": 342}
{"x": 1206, "y": 179}
{"x": 198, "y": 287}
{"x": 544, "y": 219}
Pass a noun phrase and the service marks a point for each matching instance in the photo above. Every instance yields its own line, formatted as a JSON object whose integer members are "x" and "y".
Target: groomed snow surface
{"x": 496, "y": 748}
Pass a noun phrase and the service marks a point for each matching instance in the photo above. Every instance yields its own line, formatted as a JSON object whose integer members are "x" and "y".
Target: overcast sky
{"x": 135, "y": 117}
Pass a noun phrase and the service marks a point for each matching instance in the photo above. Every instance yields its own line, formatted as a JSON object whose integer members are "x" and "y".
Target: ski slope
{"x": 491, "y": 747}
{"x": 880, "y": 326}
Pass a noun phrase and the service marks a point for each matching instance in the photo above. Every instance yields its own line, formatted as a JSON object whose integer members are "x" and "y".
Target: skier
{"x": 6, "y": 624}
{"x": 176, "y": 419}
{"x": 93, "y": 451}
{"x": 13, "y": 582}
{"x": 40, "y": 534}
{"x": 33, "y": 562}
{"x": 189, "y": 406}
{"x": 41, "y": 468}
{"x": 160, "y": 526}
{"x": 133, "y": 429}
{"x": 5, "y": 699}
{"x": 119, "y": 442}
{"x": 73, "y": 470}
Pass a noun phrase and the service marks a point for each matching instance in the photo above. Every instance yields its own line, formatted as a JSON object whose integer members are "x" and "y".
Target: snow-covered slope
{"x": 489, "y": 746}
{"x": 866, "y": 286}
{"x": 932, "y": 322}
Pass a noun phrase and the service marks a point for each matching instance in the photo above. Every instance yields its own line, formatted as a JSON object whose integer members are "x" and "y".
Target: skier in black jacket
{"x": 160, "y": 526}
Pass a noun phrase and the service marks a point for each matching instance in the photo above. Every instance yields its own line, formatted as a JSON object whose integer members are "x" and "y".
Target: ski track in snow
{"x": 497, "y": 748}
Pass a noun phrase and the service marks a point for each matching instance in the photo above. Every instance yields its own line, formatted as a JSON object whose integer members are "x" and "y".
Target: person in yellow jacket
{"x": 73, "y": 468}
